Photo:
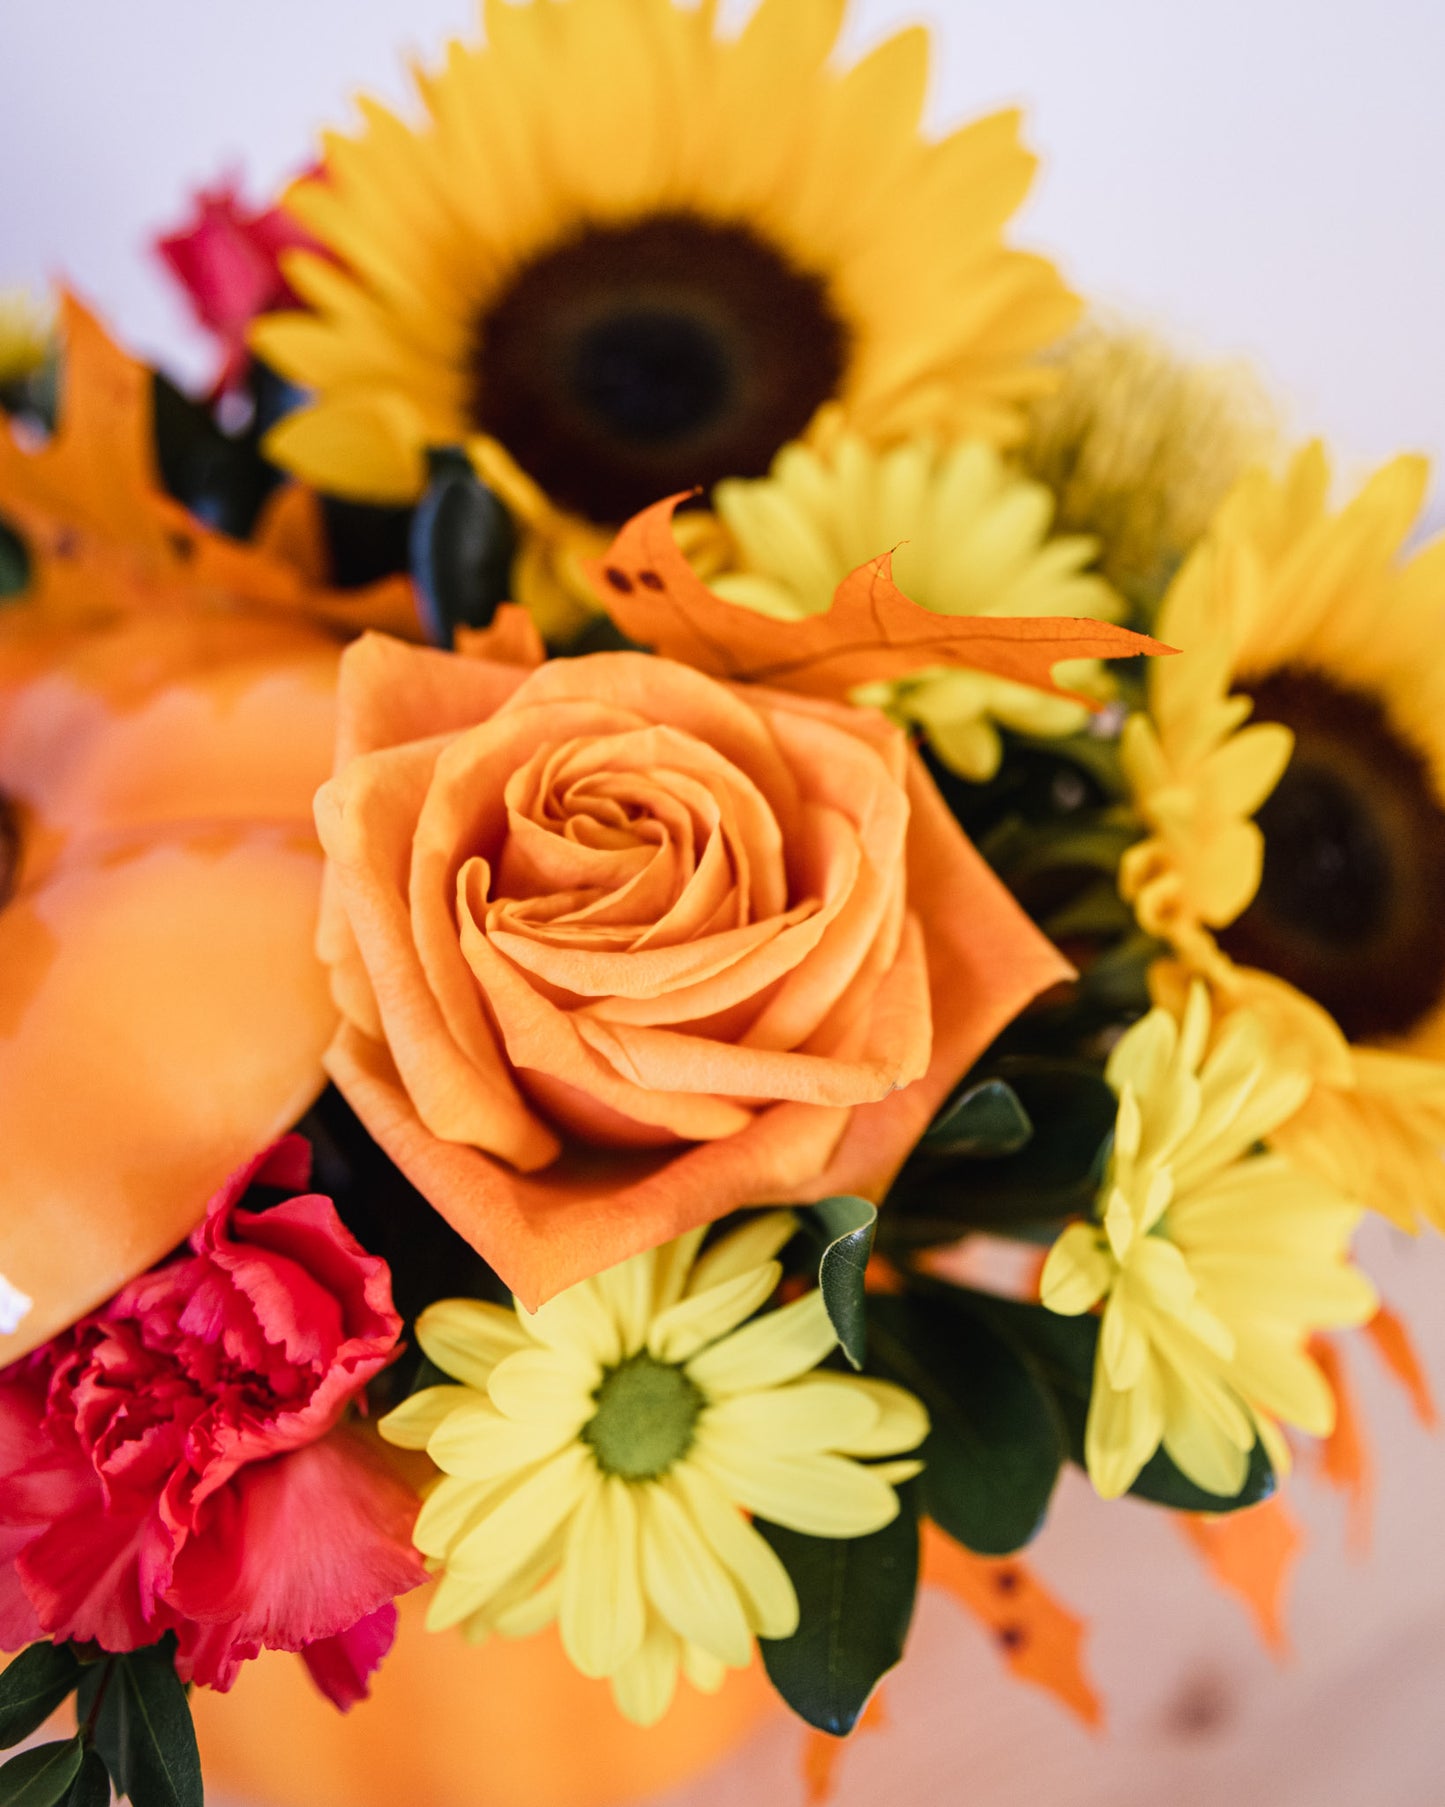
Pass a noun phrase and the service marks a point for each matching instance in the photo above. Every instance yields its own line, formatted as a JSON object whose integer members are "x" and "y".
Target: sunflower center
{"x": 633, "y": 361}
{"x": 646, "y": 1414}
{"x": 1349, "y": 907}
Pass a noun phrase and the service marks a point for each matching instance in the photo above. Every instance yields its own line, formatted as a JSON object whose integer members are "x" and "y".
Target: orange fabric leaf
{"x": 1252, "y": 1554}
{"x": 104, "y": 539}
{"x": 872, "y": 632}
{"x": 1346, "y": 1462}
{"x": 1040, "y": 1639}
{"x": 821, "y": 1752}
{"x": 1396, "y": 1348}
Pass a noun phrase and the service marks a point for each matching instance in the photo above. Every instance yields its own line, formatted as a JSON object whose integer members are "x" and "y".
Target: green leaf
{"x": 33, "y": 1687}
{"x": 41, "y": 1777}
{"x": 462, "y": 541}
{"x": 855, "y": 1597}
{"x": 1053, "y": 1176}
{"x": 91, "y": 1788}
{"x": 846, "y": 1226}
{"x": 143, "y": 1728}
{"x": 996, "y": 1443}
{"x": 984, "y": 1120}
{"x": 1062, "y": 1351}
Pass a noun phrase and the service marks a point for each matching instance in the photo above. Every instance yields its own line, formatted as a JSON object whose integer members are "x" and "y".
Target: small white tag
{"x": 14, "y": 1305}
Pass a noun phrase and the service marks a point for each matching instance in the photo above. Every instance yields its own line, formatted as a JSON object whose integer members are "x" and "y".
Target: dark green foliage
{"x": 997, "y": 1441}
{"x": 855, "y": 1596}
{"x": 461, "y": 547}
{"x": 845, "y": 1226}
{"x": 32, "y": 1687}
{"x": 42, "y": 1776}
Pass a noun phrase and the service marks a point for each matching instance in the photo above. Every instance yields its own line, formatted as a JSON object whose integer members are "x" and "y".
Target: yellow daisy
{"x": 622, "y": 255}
{"x": 972, "y": 538}
{"x": 1309, "y": 845}
{"x": 599, "y": 1457}
{"x": 1140, "y": 447}
{"x": 1216, "y": 1261}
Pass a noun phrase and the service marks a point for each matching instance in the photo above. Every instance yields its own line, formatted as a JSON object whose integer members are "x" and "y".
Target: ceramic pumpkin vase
{"x": 453, "y": 1725}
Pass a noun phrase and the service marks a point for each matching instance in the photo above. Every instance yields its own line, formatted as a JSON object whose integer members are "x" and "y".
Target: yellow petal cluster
{"x": 25, "y": 335}
{"x": 972, "y": 537}
{"x": 1215, "y": 1261}
{"x": 600, "y": 1458}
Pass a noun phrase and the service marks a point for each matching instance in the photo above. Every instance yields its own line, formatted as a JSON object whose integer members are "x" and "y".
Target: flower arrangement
{"x": 671, "y": 760}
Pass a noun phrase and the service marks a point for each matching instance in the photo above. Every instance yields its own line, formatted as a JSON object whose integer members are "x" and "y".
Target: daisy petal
{"x": 412, "y": 1423}
{"x": 467, "y": 1338}
{"x": 686, "y": 1582}
{"x": 701, "y": 1318}
{"x": 762, "y": 1581}
{"x": 603, "y": 1618}
{"x": 774, "y": 1349}
{"x": 821, "y": 1495}
{"x": 645, "y": 1684}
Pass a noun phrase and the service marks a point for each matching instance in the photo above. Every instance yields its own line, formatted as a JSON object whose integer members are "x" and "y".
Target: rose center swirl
{"x": 632, "y": 361}
{"x": 1349, "y": 903}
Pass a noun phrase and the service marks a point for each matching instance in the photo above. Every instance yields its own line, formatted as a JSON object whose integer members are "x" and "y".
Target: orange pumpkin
{"x": 454, "y": 1725}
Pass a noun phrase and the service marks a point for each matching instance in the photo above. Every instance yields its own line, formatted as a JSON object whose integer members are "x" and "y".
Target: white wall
{"x": 1265, "y": 175}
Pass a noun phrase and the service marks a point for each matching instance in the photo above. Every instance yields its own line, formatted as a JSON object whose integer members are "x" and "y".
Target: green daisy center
{"x": 647, "y": 1412}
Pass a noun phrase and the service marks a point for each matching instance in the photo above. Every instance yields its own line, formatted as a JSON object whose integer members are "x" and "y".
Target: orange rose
{"x": 620, "y": 947}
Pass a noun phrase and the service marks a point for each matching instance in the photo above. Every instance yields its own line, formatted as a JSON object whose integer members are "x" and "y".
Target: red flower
{"x": 139, "y": 1490}
{"x": 227, "y": 258}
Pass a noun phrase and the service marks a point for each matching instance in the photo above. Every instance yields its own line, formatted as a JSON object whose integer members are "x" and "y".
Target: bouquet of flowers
{"x": 689, "y": 889}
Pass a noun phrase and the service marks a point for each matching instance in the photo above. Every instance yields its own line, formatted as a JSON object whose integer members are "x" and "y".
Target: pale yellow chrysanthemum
{"x": 1140, "y": 446}
{"x": 26, "y": 328}
{"x": 599, "y": 1458}
{"x": 971, "y": 538}
{"x": 1216, "y": 1262}
{"x": 1309, "y": 844}
{"x": 623, "y": 254}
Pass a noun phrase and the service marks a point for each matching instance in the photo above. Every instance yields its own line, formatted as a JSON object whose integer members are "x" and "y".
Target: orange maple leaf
{"x": 105, "y": 540}
{"x": 1252, "y": 1554}
{"x": 1041, "y": 1640}
{"x": 872, "y": 631}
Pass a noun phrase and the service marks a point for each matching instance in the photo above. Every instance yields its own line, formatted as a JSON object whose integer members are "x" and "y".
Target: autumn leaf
{"x": 1041, "y": 1640}
{"x": 105, "y": 540}
{"x": 1252, "y": 1554}
{"x": 871, "y": 633}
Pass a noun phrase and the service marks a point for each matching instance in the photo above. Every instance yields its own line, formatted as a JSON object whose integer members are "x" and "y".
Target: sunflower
{"x": 1216, "y": 1261}
{"x": 599, "y": 1457}
{"x": 623, "y": 256}
{"x": 971, "y": 539}
{"x": 1140, "y": 446}
{"x": 1298, "y": 861}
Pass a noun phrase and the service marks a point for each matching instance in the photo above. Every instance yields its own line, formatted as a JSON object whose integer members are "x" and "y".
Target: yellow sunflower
{"x": 1298, "y": 862}
{"x": 1216, "y": 1262}
{"x": 972, "y": 538}
{"x": 623, "y": 255}
{"x": 1140, "y": 446}
{"x": 600, "y": 1456}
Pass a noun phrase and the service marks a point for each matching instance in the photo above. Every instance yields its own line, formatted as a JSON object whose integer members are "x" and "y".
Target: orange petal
{"x": 543, "y": 1232}
{"x": 1346, "y": 1462}
{"x": 1252, "y": 1554}
{"x": 161, "y": 1019}
{"x": 1394, "y": 1346}
{"x": 510, "y": 639}
{"x": 1040, "y": 1640}
{"x": 871, "y": 633}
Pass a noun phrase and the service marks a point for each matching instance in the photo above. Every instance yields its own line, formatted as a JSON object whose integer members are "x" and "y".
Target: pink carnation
{"x": 228, "y": 259}
{"x": 175, "y": 1462}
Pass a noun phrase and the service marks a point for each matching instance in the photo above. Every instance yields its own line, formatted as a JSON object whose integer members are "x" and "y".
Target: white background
{"x": 1263, "y": 176}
